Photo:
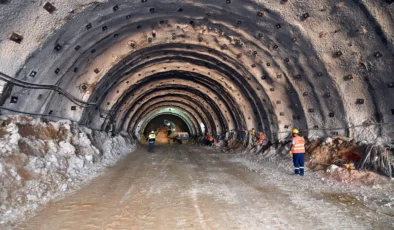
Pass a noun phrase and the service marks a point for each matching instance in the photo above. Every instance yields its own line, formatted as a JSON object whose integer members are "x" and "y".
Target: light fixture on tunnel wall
{"x": 89, "y": 26}
{"x": 391, "y": 85}
{"x": 14, "y": 99}
{"x": 287, "y": 60}
{"x": 58, "y": 47}
{"x": 311, "y": 110}
{"x": 294, "y": 39}
{"x": 73, "y": 107}
{"x": 360, "y": 101}
{"x": 260, "y": 14}
{"x": 268, "y": 64}
{"x": 260, "y": 35}
{"x": 331, "y": 114}
{"x": 77, "y": 47}
{"x": 115, "y": 8}
{"x": 305, "y": 94}
{"x": 104, "y": 28}
{"x": 276, "y": 47}
{"x": 338, "y": 53}
{"x": 49, "y": 7}
{"x": 305, "y": 16}
{"x": 278, "y": 26}
{"x": 319, "y": 74}
{"x": 378, "y": 54}
{"x": 228, "y": 1}
{"x": 327, "y": 95}
{"x": 57, "y": 71}
{"x": 263, "y": 77}
{"x": 143, "y": 1}
{"x": 16, "y": 38}
{"x": 272, "y": 89}
{"x": 32, "y": 73}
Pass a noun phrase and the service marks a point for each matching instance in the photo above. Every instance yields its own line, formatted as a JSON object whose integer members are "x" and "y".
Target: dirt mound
{"x": 321, "y": 154}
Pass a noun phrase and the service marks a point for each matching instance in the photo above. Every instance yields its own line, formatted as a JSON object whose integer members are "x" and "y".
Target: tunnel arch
{"x": 144, "y": 123}
{"x": 286, "y": 69}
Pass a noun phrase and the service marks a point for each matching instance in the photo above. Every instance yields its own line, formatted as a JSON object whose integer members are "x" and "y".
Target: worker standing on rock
{"x": 151, "y": 140}
{"x": 298, "y": 152}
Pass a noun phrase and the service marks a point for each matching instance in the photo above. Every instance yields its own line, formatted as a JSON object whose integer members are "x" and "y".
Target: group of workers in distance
{"x": 257, "y": 137}
{"x": 297, "y": 150}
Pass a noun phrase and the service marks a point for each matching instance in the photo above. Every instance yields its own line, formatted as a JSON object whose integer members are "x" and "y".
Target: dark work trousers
{"x": 151, "y": 147}
{"x": 298, "y": 160}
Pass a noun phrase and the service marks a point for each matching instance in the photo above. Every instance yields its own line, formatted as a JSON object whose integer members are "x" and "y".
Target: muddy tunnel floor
{"x": 189, "y": 187}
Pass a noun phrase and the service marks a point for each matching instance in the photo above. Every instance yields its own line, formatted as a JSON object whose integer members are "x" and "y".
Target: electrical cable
{"x": 56, "y": 88}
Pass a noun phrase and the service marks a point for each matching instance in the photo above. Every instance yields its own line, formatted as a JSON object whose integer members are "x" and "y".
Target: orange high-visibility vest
{"x": 299, "y": 145}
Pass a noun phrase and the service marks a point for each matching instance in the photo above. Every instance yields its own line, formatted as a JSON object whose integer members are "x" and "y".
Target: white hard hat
{"x": 152, "y": 132}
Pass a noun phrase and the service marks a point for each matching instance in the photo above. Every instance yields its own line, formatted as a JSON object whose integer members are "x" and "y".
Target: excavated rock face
{"x": 219, "y": 65}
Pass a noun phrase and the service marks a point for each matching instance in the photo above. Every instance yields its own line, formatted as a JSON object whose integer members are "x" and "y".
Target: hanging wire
{"x": 56, "y": 88}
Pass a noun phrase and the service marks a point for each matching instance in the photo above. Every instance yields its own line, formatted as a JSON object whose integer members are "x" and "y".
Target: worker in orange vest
{"x": 261, "y": 138}
{"x": 210, "y": 139}
{"x": 298, "y": 151}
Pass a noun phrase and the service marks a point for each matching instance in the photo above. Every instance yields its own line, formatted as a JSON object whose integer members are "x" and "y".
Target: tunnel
{"x": 229, "y": 65}
{"x": 125, "y": 67}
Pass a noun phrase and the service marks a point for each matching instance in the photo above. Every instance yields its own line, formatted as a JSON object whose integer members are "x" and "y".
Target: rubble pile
{"x": 41, "y": 160}
{"x": 348, "y": 161}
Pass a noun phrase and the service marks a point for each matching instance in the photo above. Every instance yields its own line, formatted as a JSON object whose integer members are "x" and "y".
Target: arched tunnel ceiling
{"x": 320, "y": 66}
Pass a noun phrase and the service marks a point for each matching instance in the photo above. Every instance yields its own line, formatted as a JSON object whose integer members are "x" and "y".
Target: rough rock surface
{"x": 41, "y": 161}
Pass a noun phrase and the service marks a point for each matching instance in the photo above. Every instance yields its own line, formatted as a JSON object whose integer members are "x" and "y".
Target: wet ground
{"x": 187, "y": 187}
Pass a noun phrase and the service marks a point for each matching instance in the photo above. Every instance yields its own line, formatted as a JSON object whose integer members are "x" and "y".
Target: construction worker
{"x": 261, "y": 138}
{"x": 253, "y": 136}
{"x": 207, "y": 139}
{"x": 210, "y": 139}
{"x": 298, "y": 151}
{"x": 151, "y": 141}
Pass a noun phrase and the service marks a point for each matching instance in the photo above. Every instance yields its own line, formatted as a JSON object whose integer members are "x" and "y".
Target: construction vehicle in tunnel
{"x": 175, "y": 136}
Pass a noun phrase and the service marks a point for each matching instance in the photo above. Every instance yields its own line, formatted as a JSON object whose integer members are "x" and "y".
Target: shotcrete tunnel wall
{"x": 322, "y": 66}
